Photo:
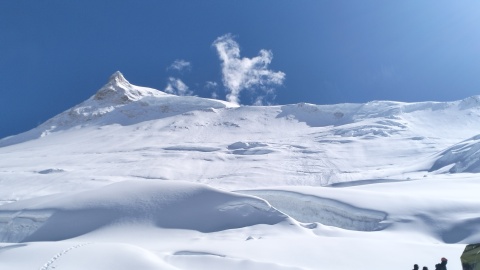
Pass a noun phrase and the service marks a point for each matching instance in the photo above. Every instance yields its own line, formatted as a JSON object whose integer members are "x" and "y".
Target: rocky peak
{"x": 117, "y": 90}
{"x": 117, "y": 78}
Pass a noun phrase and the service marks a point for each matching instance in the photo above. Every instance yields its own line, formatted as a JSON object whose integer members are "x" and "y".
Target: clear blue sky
{"x": 55, "y": 54}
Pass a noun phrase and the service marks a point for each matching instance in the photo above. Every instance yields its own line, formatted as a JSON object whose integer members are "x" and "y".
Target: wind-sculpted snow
{"x": 311, "y": 209}
{"x": 163, "y": 204}
{"x": 462, "y": 157}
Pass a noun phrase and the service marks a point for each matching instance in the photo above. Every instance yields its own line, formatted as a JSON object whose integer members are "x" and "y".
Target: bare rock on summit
{"x": 119, "y": 91}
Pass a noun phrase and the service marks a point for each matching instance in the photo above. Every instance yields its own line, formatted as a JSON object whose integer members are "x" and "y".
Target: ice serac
{"x": 462, "y": 157}
{"x": 470, "y": 102}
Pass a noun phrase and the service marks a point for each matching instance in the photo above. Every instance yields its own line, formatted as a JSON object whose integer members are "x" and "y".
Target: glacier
{"x": 137, "y": 178}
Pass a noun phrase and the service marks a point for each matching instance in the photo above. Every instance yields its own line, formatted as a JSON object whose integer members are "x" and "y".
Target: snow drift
{"x": 178, "y": 205}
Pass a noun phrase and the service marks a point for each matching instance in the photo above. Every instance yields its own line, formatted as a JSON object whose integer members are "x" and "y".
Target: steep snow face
{"x": 178, "y": 205}
{"x": 462, "y": 157}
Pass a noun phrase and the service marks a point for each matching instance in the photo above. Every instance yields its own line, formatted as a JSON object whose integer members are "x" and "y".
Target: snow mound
{"x": 462, "y": 157}
{"x": 179, "y": 205}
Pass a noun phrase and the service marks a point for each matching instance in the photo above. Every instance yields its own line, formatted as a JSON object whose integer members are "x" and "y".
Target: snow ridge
{"x": 118, "y": 102}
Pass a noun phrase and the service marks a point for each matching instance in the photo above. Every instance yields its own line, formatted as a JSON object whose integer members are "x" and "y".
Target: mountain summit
{"x": 119, "y": 102}
{"x": 119, "y": 91}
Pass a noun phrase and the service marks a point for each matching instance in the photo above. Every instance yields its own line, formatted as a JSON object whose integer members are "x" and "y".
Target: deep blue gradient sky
{"x": 55, "y": 54}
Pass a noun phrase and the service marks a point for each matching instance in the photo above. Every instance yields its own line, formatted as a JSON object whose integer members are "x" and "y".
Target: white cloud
{"x": 265, "y": 99}
{"x": 212, "y": 86}
{"x": 243, "y": 73}
{"x": 177, "y": 87}
{"x": 180, "y": 65}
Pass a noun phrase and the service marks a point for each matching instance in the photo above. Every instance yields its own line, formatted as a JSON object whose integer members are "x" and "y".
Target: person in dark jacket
{"x": 442, "y": 265}
{"x": 415, "y": 267}
{"x": 425, "y": 268}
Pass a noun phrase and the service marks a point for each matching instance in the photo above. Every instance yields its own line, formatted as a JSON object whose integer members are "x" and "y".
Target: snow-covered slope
{"x": 160, "y": 180}
{"x": 165, "y": 205}
{"x": 462, "y": 157}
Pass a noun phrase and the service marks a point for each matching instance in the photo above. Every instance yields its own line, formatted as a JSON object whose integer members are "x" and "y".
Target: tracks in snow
{"x": 50, "y": 263}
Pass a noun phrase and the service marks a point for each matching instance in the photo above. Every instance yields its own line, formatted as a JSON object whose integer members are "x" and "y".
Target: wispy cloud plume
{"x": 244, "y": 73}
{"x": 212, "y": 86}
{"x": 175, "y": 86}
{"x": 180, "y": 65}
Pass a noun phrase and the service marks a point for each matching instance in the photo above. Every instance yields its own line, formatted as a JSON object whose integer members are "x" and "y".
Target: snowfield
{"x": 134, "y": 178}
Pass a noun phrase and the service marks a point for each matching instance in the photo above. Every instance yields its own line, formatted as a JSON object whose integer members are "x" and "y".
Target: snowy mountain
{"x": 237, "y": 187}
{"x": 118, "y": 102}
{"x": 462, "y": 157}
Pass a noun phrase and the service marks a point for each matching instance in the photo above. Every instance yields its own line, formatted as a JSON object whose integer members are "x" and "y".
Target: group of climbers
{"x": 439, "y": 266}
